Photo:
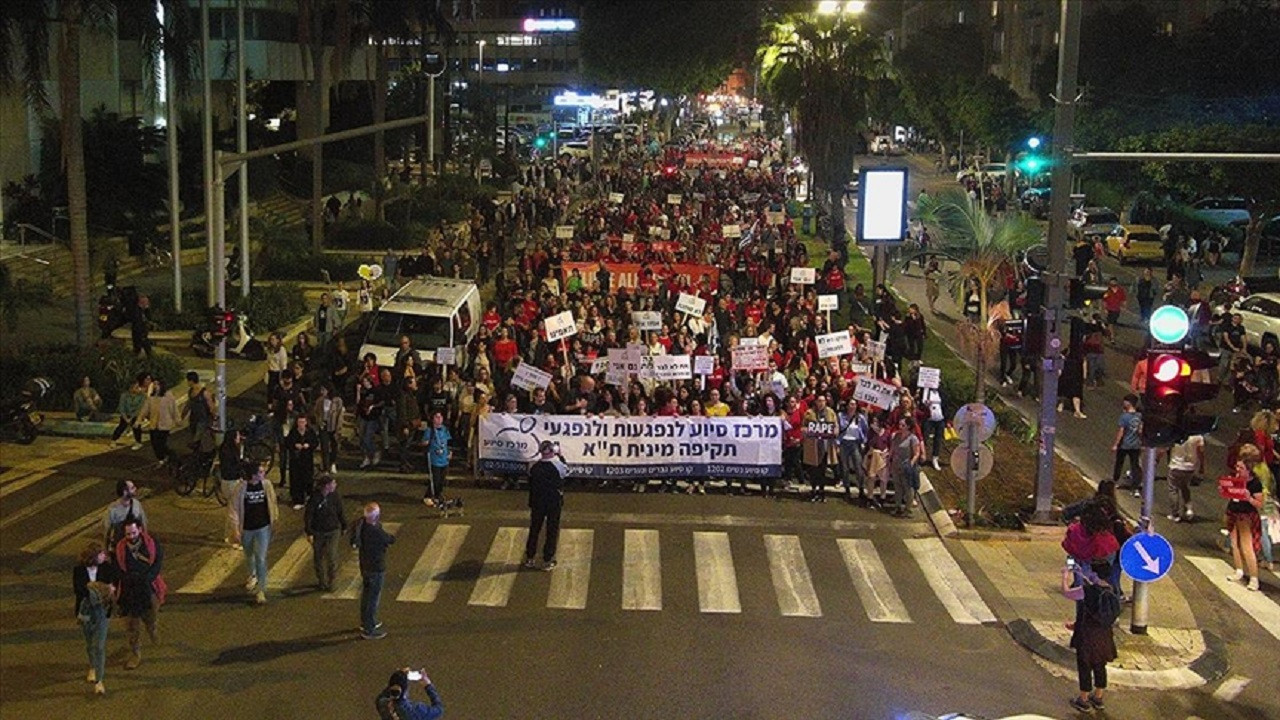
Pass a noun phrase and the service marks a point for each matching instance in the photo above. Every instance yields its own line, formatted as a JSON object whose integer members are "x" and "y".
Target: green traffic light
{"x": 1033, "y": 164}
{"x": 540, "y": 143}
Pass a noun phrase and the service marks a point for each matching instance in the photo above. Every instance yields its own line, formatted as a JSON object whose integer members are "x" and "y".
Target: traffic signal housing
{"x": 1173, "y": 389}
{"x": 220, "y": 322}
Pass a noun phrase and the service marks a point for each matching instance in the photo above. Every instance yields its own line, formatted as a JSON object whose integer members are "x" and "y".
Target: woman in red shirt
{"x": 504, "y": 349}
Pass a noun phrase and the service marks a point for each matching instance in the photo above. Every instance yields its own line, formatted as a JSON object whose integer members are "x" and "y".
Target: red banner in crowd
{"x": 627, "y": 275}
{"x": 714, "y": 160}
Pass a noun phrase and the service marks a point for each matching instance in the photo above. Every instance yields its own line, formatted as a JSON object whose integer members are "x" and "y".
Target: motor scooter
{"x": 241, "y": 343}
{"x": 20, "y": 418}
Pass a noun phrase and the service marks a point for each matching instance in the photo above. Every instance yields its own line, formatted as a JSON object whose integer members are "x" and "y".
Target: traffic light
{"x": 1168, "y": 412}
{"x": 220, "y": 322}
{"x": 540, "y": 142}
{"x": 1079, "y": 294}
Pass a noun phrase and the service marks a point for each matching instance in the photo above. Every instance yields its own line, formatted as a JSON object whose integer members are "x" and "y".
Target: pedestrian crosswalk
{"x": 802, "y": 577}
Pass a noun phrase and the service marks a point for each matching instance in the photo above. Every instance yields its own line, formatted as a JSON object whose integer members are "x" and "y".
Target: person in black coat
{"x": 546, "y": 499}
{"x": 94, "y": 566}
{"x": 1093, "y": 640}
{"x": 301, "y": 443}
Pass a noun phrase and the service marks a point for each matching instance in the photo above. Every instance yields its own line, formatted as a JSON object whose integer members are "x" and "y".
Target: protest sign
{"x": 876, "y": 349}
{"x": 674, "y": 198}
{"x": 646, "y": 320}
{"x": 803, "y": 276}
{"x": 704, "y": 364}
{"x": 876, "y": 393}
{"x": 834, "y": 344}
{"x": 775, "y": 218}
{"x": 528, "y": 377}
{"x": 671, "y": 367}
{"x": 599, "y": 365}
{"x": 446, "y": 356}
{"x": 690, "y": 304}
{"x": 564, "y": 232}
{"x": 750, "y": 357}
{"x": 828, "y": 303}
{"x": 615, "y": 198}
{"x": 731, "y": 231}
{"x": 561, "y": 325}
{"x": 929, "y": 377}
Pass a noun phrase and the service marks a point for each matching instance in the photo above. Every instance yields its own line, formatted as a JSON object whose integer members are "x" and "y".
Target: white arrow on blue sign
{"x": 1146, "y": 557}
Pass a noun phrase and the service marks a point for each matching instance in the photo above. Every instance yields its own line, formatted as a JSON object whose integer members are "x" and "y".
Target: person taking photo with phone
{"x": 394, "y": 703}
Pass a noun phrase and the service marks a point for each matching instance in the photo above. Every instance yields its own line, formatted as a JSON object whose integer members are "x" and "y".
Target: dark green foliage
{"x": 111, "y": 367}
{"x": 365, "y": 234}
{"x": 272, "y": 307}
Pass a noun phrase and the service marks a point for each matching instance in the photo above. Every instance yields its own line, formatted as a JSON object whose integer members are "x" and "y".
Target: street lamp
{"x": 833, "y": 7}
{"x": 480, "y": 64}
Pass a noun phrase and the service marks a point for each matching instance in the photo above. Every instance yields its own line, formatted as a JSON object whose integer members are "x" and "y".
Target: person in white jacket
{"x": 160, "y": 415}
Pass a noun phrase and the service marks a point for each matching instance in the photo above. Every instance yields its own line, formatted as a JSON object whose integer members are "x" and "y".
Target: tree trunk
{"x": 1252, "y": 239}
{"x": 835, "y": 194}
{"x": 73, "y": 156}
{"x": 980, "y": 366}
{"x": 379, "y": 138}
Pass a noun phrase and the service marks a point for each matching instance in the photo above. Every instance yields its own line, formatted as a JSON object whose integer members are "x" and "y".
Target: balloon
{"x": 375, "y": 272}
{"x": 365, "y": 272}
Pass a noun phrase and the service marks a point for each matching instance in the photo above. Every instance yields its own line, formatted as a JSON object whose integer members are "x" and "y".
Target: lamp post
{"x": 480, "y": 62}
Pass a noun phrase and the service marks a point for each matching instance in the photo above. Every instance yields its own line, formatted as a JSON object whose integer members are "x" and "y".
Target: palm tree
{"x": 983, "y": 246}
{"x": 821, "y": 67}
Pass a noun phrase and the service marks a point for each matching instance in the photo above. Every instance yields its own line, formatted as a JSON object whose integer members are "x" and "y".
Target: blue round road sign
{"x": 1146, "y": 557}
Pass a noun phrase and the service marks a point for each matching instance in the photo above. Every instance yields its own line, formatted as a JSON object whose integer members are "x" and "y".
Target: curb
{"x": 938, "y": 516}
{"x": 1208, "y": 667}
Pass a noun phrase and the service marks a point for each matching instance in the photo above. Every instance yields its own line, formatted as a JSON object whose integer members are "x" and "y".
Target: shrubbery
{"x": 110, "y": 366}
{"x": 272, "y": 307}
{"x": 366, "y": 234}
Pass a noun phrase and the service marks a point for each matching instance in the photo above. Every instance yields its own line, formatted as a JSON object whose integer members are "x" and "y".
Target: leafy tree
{"x": 933, "y": 71}
{"x": 821, "y": 68}
{"x": 1257, "y": 183}
{"x": 982, "y": 245}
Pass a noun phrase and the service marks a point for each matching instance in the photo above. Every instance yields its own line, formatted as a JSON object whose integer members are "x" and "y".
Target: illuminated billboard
{"x": 882, "y": 205}
{"x": 549, "y": 25}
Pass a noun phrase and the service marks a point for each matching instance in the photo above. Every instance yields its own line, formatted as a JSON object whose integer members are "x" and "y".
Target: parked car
{"x": 1261, "y": 313}
{"x": 1036, "y": 201}
{"x": 1222, "y": 211}
{"x": 578, "y": 149}
{"x": 1093, "y": 223}
{"x": 1135, "y": 242}
{"x": 995, "y": 171}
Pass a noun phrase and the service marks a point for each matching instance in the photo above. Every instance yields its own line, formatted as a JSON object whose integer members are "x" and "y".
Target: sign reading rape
{"x": 609, "y": 447}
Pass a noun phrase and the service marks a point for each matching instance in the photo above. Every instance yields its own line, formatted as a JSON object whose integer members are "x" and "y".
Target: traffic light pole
{"x": 1138, "y": 622}
{"x": 1060, "y": 198}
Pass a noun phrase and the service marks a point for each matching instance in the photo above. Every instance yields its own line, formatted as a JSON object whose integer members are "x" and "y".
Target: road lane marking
{"x": 791, "y": 580}
{"x": 49, "y": 501}
{"x": 424, "y": 581}
{"x": 571, "y": 579}
{"x": 948, "y": 581}
{"x": 85, "y": 523}
{"x": 288, "y": 569}
{"x": 501, "y": 565}
{"x": 1258, "y": 606}
{"x": 214, "y": 572}
{"x": 347, "y": 584}
{"x": 1231, "y": 688}
{"x": 23, "y": 481}
{"x": 717, "y": 581}
{"x": 872, "y": 582}
{"x": 641, "y": 570}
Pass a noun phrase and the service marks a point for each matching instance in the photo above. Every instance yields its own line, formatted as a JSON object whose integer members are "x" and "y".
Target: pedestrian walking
{"x": 1244, "y": 523}
{"x": 437, "y": 439}
{"x": 93, "y": 580}
{"x": 200, "y": 410}
{"x": 372, "y": 541}
{"x": 1093, "y": 637}
{"x": 322, "y": 524}
{"x": 277, "y": 362}
{"x": 546, "y": 500}
{"x": 326, "y": 414}
{"x": 325, "y": 321}
{"x": 1231, "y": 341}
{"x": 1113, "y": 299}
{"x": 232, "y": 468}
{"x": 139, "y": 558}
{"x": 1186, "y": 460}
{"x": 253, "y": 511}
{"x": 160, "y": 415}
{"x": 302, "y": 442}
{"x": 1128, "y": 442}
{"x": 140, "y": 326}
{"x": 934, "y": 427}
{"x": 126, "y": 507}
{"x": 1145, "y": 293}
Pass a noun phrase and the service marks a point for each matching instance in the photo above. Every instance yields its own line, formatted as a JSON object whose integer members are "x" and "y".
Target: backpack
{"x": 1109, "y": 606}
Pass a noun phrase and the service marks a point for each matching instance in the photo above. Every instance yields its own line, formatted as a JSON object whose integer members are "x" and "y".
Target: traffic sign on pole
{"x": 1146, "y": 557}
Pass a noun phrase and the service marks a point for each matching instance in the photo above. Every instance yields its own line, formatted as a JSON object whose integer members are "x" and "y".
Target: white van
{"x": 434, "y": 312}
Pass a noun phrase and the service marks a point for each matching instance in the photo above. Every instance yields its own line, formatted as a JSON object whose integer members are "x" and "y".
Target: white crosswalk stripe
{"x": 791, "y": 580}
{"x": 423, "y": 583}
{"x": 717, "y": 580}
{"x": 872, "y": 582}
{"x": 1259, "y": 606}
{"x": 501, "y": 565}
{"x": 19, "y": 480}
{"x": 948, "y": 581}
{"x": 79, "y": 526}
{"x": 49, "y": 501}
{"x": 572, "y": 577}
{"x": 641, "y": 570}
{"x": 798, "y": 591}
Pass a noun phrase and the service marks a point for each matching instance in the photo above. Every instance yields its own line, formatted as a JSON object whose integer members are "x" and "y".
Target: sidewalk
{"x": 1026, "y": 572}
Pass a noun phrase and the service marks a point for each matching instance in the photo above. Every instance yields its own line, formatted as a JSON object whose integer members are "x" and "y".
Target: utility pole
{"x": 207, "y": 113}
{"x": 171, "y": 133}
{"x": 1056, "y": 274}
{"x": 242, "y": 145}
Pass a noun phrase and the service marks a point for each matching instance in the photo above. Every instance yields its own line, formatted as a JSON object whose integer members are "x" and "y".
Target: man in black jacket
{"x": 546, "y": 499}
{"x": 323, "y": 523}
{"x": 372, "y": 542}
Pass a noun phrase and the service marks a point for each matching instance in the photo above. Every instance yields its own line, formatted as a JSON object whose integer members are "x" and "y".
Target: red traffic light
{"x": 1169, "y": 368}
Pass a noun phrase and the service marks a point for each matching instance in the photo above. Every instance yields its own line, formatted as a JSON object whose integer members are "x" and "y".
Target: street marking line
{"x": 85, "y": 523}
{"x": 288, "y": 569}
{"x": 957, "y": 594}
{"x": 49, "y": 501}
{"x": 1231, "y": 688}
{"x": 26, "y": 479}
{"x": 347, "y": 583}
{"x": 214, "y": 572}
{"x": 872, "y": 582}
{"x": 717, "y": 581}
{"x": 423, "y": 583}
{"x": 1262, "y": 609}
{"x": 501, "y": 565}
{"x": 641, "y": 570}
{"x": 571, "y": 579}
{"x": 791, "y": 580}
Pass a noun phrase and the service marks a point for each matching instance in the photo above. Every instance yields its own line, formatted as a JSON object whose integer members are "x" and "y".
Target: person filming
{"x": 394, "y": 702}
{"x": 546, "y": 499}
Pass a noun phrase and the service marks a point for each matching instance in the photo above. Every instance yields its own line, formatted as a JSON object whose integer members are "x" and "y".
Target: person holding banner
{"x": 819, "y": 446}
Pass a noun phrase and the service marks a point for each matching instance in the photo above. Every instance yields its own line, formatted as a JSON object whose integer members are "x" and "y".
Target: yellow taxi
{"x": 1135, "y": 242}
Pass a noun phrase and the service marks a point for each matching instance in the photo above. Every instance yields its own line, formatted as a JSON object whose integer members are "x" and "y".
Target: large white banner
{"x": 609, "y": 447}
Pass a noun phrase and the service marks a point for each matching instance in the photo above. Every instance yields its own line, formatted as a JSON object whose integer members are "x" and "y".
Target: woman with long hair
{"x": 1243, "y": 520}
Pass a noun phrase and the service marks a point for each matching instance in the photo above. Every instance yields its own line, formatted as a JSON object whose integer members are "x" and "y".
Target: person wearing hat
{"x": 546, "y": 500}
{"x": 394, "y": 702}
